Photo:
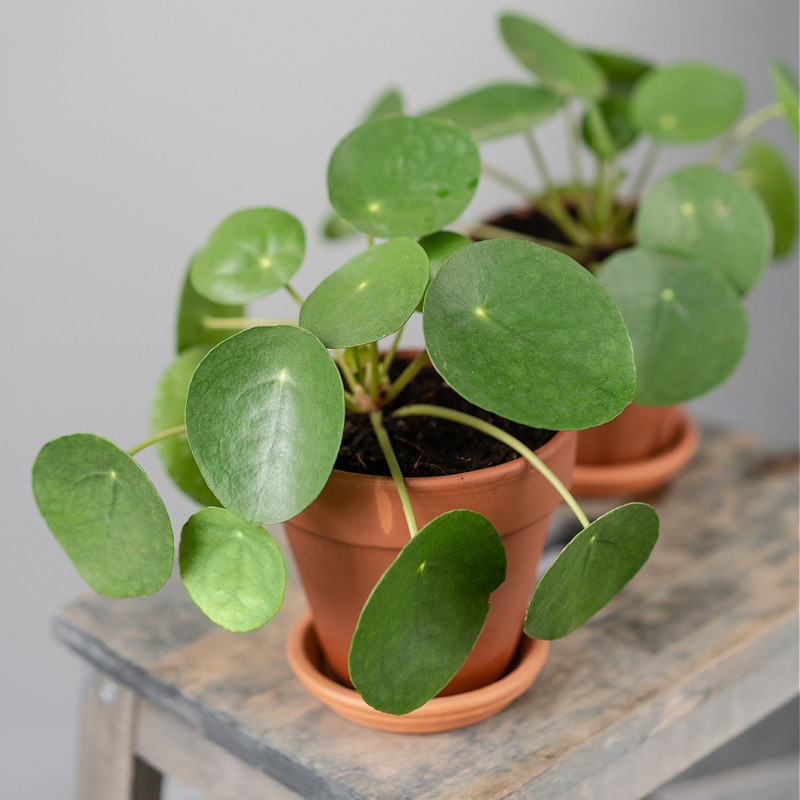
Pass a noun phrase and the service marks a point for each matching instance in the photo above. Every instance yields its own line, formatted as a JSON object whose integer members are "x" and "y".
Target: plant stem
{"x": 744, "y": 128}
{"x": 572, "y": 146}
{"x": 539, "y": 161}
{"x": 504, "y": 437}
{"x": 645, "y": 169}
{"x": 295, "y": 296}
{"x": 177, "y": 430}
{"x": 376, "y": 418}
{"x": 484, "y": 231}
{"x": 407, "y": 375}
{"x": 508, "y": 181}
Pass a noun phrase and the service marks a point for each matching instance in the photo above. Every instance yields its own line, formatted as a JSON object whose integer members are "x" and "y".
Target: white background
{"x": 130, "y": 129}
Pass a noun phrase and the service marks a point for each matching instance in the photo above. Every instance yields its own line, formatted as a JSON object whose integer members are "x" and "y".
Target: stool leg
{"x": 108, "y": 768}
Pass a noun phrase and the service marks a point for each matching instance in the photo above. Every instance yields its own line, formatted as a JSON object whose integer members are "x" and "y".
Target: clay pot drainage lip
{"x": 440, "y": 714}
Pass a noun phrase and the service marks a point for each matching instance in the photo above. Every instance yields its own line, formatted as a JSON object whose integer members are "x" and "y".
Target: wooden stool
{"x": 700, "y": 646}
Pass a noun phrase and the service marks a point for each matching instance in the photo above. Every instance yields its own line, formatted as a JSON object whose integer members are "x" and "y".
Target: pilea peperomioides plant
{"x": 249, "y": 418}
{"x": 677, "y": 256}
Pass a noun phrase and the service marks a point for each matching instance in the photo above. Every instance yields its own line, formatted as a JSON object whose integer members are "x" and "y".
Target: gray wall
{"x": 130, "y": 129}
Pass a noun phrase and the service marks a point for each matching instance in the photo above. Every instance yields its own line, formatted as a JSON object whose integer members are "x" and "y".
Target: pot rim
{"x": 509, "y": 469}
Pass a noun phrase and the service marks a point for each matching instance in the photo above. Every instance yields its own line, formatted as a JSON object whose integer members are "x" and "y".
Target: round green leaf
{"x": 370, "y": 297}
{"x": 403, "y": 176}
{"x": 425, "y": 614}
{"x": 500, "y": 109}
{"x": 558, "y": 65}
{"x": 105, "y": 513}
{"x": 704, "y": 214}
{"x": 622, "y": 71}
{"x": 686, "y": 321}
{"x": 763, "y": 168}
{"x": 591, "y": 570}
{"x": 233, "y": 570}
{"x": 526, "y": 332}
{"x": 193, "y": 309}
{"x": 167, "y": 411}
{"x": 250, "y": 254}
{"x": 264, "y": 415}
{"x": 687, "y": 103}
{"x": 786, "y": 91}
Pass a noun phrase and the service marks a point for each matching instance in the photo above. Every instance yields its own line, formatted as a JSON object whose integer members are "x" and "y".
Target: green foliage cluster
{"x": 685, "y": 250}
{"x": 249, "y": 417}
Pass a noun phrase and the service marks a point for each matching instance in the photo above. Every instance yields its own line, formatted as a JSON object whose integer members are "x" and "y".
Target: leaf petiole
{"x": 504, "y": 437}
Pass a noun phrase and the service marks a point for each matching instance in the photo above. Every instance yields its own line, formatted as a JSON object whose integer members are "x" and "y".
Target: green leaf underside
{"x": 370, "y": 297}
{"x": 500, "y": 109}
{"x": 554, "y": 61}
{"x": 688, "y": 102}
{"x": 440, "y": 246}
{"x": 425, "y": 614}
{"x": 250, "y": 254}
{"x": 167, "y": 411}
{"x": 526, "y": 332}
{"x": 763, "y": 169}
{"x": 264, "y": 415}
{"x": 105, "y": 514}
{"x": 785, "y": 86}
{"x": 686, "y": 320}
{"x": 193, "y": 308}
{"x": 403, "y": 176}
{"x": 616, "y": 132}
{"x": 233, "y": 570}
{"x": 704, "y": 214}
{"x": 622, "y": 70}
{"x": 591, "y": 570}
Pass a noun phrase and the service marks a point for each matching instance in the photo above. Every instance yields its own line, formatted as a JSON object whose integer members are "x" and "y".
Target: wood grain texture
{"x": 109, "y": 768}
{"x": 700, "y": 645}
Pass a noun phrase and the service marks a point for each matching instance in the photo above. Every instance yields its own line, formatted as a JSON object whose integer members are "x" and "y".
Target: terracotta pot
{"x": 638, "y": 451}
{"x": 348, "y": 537}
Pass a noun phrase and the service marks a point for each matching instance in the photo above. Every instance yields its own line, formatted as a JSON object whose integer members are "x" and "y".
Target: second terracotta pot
{"x": 347, "y": 538}
{"x": 638, "y": 451}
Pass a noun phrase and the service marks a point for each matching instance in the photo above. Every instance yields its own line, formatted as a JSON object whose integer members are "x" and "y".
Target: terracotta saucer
{"x": 440, "y": 714}
{"x": 641, "y": 475}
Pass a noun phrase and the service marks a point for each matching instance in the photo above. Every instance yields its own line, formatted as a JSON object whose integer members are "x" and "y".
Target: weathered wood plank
{"x": 668, "y": 671}
{"x": 109, "y": 768}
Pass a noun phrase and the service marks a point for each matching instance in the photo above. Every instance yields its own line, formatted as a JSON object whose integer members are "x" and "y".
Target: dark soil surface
{"x": 530, "y": 222}
{"x": 426, "y": 446}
